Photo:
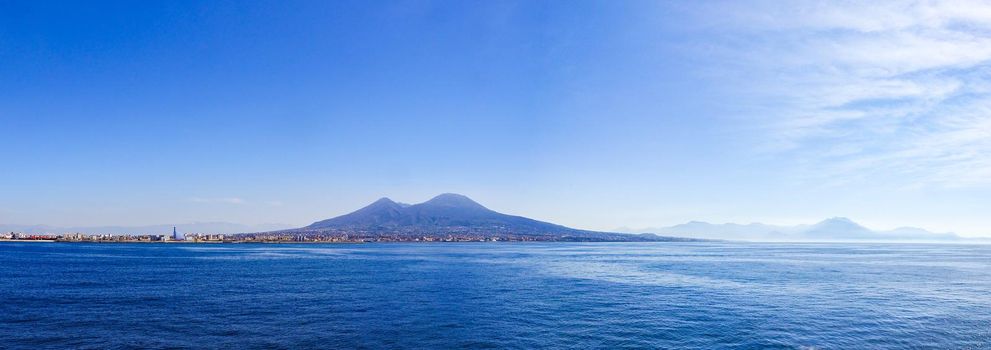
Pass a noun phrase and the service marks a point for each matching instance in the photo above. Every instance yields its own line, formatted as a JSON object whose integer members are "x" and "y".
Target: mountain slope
{"x": 380, "y": 212}
{"x": 837, "y": 229}
{"x": 445, "y": 210}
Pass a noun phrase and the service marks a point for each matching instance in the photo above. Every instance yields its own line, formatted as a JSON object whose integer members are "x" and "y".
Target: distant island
{"x": 447, "y": 217}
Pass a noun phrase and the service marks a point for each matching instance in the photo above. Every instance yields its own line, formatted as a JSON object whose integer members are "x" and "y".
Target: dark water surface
{"x": 495, "y": 295}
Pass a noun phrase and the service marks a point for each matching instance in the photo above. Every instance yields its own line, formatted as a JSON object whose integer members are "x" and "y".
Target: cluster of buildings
{"x": 364, "y": 237}
{"x": 364, "y": 234}
{"x": 323, "y": 236}
{"x": 80, "y": 237}
{"x": 346, "y": 234}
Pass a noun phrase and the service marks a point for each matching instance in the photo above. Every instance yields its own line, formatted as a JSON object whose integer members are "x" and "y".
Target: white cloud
{"x": 858, "y": 89}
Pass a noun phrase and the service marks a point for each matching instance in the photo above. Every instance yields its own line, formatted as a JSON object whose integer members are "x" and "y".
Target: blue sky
{"x": 595, "y": 115}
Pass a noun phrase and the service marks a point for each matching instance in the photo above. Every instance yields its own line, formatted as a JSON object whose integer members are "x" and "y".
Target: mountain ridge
{"x": 453, "y": 214}
{"x": 831, "y": 229}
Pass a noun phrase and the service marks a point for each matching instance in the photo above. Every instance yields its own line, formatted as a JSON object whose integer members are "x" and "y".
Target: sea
{"x": 495, "y": 295}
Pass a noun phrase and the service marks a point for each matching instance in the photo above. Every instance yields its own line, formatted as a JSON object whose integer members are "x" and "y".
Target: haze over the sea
{"x": 592, "y": 115}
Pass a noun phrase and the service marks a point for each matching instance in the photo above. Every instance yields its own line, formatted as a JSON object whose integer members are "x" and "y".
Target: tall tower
{"x": 175, "y": 235}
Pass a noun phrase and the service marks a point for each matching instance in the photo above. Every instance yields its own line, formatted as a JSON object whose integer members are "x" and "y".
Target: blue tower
{"x": 176, "y": 236}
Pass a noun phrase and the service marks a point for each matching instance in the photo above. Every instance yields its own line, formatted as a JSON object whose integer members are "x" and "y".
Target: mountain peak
{"x": 839, "y": 219}
{"x": 453, "y": 200}
{"x": 382, "y": 210}
{"x": 384, "y": 200}
{"x": 838, "y": 228}
{"x": 383, "y": 203}
{"x": 838, "y": 222}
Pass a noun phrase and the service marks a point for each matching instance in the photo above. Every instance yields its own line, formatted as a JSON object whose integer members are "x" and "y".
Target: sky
{"x": 590, "y": 114}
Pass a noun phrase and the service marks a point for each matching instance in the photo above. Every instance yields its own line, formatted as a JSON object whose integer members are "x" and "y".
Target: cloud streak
{"x": 883, "y": 90}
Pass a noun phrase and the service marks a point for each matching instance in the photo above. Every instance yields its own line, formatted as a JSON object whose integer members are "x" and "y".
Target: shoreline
{"x": 972, "y": 243}
{"x": 312, "y": 242}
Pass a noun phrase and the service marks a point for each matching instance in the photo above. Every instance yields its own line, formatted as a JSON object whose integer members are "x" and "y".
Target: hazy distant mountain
{"x": 454, "y": 214}
{"x": 164, "y": 229}
{"x": 834, "y": 229}
{"x": 837, "y": 229}
{"x": 754, "y": 231}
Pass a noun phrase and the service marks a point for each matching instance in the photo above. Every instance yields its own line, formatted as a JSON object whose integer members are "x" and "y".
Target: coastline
{"x": 318, "y": 242}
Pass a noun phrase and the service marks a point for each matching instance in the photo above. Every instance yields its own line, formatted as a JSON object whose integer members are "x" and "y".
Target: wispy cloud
{"x": 228, "y": 200}
{"x": 897, "y": 89}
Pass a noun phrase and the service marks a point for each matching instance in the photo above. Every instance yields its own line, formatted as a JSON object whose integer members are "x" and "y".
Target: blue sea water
{"x": 495, "y": 295}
